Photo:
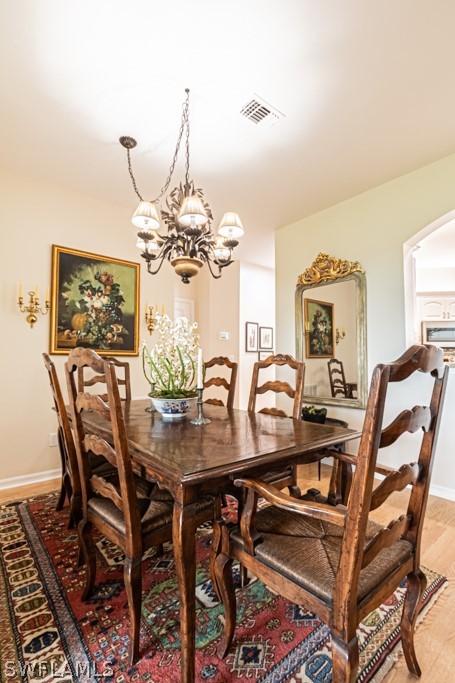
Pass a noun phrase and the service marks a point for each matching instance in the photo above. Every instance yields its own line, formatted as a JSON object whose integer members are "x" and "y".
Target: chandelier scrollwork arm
{"x": 214, "y": 275}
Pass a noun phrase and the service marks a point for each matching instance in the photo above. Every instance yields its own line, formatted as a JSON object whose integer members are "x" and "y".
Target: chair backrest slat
{"x": 222, "y": 381}
{"x": 385, "y": 538}
{"x": 99, "y": 446}
{"x": 411, "y": 421}
{"x": 278, "y": 386}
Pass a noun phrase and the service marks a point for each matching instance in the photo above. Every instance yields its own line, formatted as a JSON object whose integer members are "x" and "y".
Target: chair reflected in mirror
{"x": 339, "y": 388}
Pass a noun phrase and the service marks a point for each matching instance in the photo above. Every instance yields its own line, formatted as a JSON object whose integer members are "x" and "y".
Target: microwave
{"x": 439, "y": 333}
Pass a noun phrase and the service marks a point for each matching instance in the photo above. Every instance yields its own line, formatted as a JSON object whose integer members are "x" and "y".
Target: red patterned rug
{"x": 48, "y": 634}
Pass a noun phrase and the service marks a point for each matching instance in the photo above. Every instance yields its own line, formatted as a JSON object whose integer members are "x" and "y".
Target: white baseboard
{"x": 442, "y": 492}
{"x": 24, "y": 479}
{"x": 435, "y": 490}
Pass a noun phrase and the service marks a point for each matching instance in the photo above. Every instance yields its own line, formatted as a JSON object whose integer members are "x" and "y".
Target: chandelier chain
{"x": 133, "y": 179}
{"x": 184, "y": 123}
{"x": 187, "y": 169}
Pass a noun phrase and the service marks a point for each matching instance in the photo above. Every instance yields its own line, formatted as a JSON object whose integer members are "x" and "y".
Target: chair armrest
{"x": 352, "y": 460}
{"x": 326, "y": 513}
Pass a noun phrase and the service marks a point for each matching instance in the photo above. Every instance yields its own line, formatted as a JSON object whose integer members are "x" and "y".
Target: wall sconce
{"x": 150, "y": 316}
{"x": 340, "y": 333}
{"x": 32, "y": 308}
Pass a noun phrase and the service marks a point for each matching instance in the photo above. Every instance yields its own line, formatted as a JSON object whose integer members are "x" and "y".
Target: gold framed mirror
{"x": 330, "y": 329}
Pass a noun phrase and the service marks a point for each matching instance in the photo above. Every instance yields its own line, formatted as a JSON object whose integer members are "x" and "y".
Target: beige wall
{"x": 217, "y": 310}
{"x": 372, "y": 228}
{"x": 435, "y": 279}
{"x": 34, "y": 215}
{"x": 245, "y": 292}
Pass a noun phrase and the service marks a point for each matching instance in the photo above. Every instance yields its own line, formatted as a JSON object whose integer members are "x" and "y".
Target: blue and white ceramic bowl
{"x": 173, "y": 408}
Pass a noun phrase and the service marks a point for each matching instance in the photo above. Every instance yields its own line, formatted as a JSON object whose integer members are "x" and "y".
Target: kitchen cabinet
{"x": 437, "y": 308}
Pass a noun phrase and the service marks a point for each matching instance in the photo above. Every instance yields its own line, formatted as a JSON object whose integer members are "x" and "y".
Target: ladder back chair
{"x": 277, "y": 386}
{"x": 120, "y": 506}
{"x": 337, "y": 378}
{"x": 333, "y": 559}
{"x": 70, "y": 488}
{"x": 222, "y": 381}
{"x": 98, "y": 378}
{"x": 71, "y": 483}
{"x": 288, "y": 477}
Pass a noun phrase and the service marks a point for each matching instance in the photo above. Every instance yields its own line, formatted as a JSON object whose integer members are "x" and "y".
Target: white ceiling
{"x": 438, "y": 249}
{"x": 366, "y": 86}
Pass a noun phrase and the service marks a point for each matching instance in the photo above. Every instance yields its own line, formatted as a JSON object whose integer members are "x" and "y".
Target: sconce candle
{"x": 150, "y": 317}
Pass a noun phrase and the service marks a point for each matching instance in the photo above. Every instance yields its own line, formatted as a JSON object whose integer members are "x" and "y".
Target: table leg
{"x": 184, "y": 540}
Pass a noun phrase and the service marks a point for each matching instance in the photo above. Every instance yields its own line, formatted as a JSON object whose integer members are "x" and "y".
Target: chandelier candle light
{"x": 189, "y": 241}
{"x": 200, "y": 420}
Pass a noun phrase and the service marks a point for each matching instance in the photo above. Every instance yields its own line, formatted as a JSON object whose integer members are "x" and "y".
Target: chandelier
{"x": 189, "y": 241}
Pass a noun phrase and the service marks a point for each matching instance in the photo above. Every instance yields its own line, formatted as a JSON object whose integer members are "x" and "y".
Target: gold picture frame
{"x": 94, "y": 303}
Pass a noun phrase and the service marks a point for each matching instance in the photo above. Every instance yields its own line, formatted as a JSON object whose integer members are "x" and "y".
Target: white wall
{"x": 257, "y": 304}
{"x": 34, "y": 215}
{"x": 372, "y": 228}
{"x": 435, "y": 279}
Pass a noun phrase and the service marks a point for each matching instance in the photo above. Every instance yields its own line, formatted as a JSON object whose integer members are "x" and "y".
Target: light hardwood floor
{"x": 22, "y": 492}
{"x": 435, "y": 637}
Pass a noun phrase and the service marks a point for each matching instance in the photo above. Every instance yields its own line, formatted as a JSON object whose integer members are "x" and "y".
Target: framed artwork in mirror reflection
{"x": 319, "y": 329}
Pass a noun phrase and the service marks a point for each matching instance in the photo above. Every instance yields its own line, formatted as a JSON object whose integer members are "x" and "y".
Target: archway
{"x": 409, "y": 269}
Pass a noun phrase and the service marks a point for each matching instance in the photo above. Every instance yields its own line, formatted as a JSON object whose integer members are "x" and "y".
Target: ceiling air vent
{"x": 258, "y": 110}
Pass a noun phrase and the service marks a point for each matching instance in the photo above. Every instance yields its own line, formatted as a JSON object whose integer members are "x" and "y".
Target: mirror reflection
{"x": 330, "y": 331}
{"x": 331, "y": 341}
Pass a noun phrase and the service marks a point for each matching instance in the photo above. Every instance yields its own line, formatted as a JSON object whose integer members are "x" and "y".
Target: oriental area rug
{"x": 48, "y": 634}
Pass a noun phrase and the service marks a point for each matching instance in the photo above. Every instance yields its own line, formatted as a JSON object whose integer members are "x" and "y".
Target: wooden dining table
{"x": 194, "y": 461}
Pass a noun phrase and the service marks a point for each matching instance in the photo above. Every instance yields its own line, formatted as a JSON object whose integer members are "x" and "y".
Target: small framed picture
{"x": 266, "y": 338}
{"x": 251, "y": 337}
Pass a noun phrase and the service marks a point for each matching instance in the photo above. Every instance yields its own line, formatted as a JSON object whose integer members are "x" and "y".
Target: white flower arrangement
{"x": 170, "y": 366}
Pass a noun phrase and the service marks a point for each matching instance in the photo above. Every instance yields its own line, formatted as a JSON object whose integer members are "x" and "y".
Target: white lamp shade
{"x": 222, "y": 253}
{"x": 231, "y": 226}
{"x": 147, "y": 245}
{"x": 146, "y": 216}
{"x": 192, "y": 212}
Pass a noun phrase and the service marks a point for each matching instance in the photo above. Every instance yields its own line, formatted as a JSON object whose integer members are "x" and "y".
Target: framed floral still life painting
{"x": 319, "y": 329}
{"x": 95, "y": 303}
